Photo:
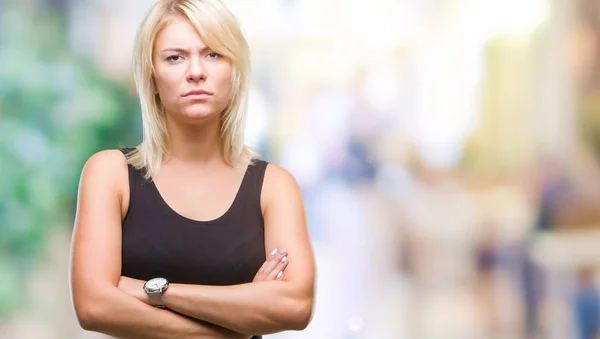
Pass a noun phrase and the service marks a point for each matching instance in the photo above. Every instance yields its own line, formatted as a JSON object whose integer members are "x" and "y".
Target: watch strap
{"x": 156, "y": 299}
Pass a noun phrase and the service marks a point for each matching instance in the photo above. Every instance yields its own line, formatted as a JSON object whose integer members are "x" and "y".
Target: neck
{"x": 198, "y": 144}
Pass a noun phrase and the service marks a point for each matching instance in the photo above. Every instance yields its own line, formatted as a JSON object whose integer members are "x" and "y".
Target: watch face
{"x": 155, "y": 284}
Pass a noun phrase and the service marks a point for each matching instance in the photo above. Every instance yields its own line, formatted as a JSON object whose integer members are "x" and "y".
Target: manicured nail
{"x": 273, "y": 252}
{"x": 282, "y": 251}
{"x": 279, "y": 274}
{"x": 284, "y": 260}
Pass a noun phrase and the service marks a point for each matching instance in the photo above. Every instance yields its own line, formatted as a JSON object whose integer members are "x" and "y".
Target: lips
{"x": 197, "y": 93}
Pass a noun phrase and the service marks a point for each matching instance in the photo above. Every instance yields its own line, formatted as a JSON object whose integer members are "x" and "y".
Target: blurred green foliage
{"x": 56, "y": 109}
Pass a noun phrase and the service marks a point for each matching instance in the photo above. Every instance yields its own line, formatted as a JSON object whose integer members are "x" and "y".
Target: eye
{"x": 174, "y": 57}
{"x": 214, "y": 55}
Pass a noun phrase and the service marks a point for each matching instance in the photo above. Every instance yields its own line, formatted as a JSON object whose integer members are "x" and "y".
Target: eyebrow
{"x": 183, "y": 50}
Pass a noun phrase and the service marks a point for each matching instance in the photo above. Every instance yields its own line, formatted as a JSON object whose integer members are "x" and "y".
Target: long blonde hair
{"x": 221, "y": 32}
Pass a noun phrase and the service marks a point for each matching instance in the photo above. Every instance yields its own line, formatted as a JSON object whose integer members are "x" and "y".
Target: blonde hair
{"x": 220, "y": 31}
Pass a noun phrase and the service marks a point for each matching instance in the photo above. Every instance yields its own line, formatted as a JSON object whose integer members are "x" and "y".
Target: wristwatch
{"x": 155, "y": 288}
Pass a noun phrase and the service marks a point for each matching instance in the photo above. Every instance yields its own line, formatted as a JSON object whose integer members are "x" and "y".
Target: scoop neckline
{"x": 202, "y": 222}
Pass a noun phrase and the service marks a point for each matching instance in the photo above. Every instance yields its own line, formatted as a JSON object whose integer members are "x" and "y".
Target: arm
{"x": 95, "y": 266}
{"x": 267, "y": 306}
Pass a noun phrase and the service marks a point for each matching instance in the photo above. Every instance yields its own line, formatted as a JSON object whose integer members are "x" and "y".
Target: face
{"x": 193, "y": 82}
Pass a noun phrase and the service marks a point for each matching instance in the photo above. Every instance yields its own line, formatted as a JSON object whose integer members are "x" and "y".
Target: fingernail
{"x": 284, "y": 260}
{"x": 282, "y": 251}
{"x": 273, "y": 252}
{"x": 279, "y": 274}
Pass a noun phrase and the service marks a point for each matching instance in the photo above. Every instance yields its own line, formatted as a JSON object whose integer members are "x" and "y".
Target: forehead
{"x": 179, "y": 32}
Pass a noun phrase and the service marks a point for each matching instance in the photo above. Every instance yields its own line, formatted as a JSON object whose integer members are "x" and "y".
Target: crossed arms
{"x": 108, "y": 303}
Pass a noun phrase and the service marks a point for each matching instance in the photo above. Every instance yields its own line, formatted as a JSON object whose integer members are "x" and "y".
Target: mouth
{"x": 197, "y": 94}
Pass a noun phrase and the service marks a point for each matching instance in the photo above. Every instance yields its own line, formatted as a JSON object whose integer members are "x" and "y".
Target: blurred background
{"x": 448, "y": 152}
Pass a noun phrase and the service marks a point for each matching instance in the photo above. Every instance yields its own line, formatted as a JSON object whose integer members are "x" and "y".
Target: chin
{"x": 200, "y": 113}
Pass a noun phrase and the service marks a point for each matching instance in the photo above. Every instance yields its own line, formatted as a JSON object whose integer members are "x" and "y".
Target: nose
{"x": 196, "y": 71}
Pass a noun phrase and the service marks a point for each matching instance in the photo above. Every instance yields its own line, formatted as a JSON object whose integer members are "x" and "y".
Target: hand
{"x": 135, "y": 288}
{"x": 273, "y": 268}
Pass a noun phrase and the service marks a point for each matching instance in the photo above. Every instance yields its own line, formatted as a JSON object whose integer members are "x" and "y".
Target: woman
{"x": 178, "y": 237}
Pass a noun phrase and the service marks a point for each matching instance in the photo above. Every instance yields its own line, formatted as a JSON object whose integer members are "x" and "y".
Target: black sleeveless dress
{"x": 159, "y": 242}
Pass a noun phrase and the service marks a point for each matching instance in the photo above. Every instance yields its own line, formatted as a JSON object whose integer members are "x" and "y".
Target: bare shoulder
{"x": 277, "y": 174}
{"x": 277, "y": 177}
{"x": 105, "y": 165}
{"x": 110, "y": 159}
{"x": 279, "y": 184}
{"x": 107, "y": 169}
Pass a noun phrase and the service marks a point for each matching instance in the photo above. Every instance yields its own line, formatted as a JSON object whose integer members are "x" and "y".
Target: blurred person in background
{"x": 188, "y": 234}
{"x": 486, "y": 266}
{"x": 552, "y": 188}
{"x": 586, "y": 305}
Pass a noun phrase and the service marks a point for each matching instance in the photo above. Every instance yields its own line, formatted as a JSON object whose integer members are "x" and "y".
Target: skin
{"x": 195, "y": 172}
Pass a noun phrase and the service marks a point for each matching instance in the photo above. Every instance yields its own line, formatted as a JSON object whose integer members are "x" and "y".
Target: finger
{"x": 272, "y": 264}
{"x": 280, "y": 275}
{"x": 261, "y": 272}
{"x": 279, "y": 268}
{"x": 264, "y": 271}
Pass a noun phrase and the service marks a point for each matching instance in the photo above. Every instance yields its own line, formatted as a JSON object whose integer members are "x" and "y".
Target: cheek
{"x": 162, "y": 81}
{"x": 167, "y": 75}
{"x": 225, "y": 83}
{"x": 166, "y": 88}
{"x": 226, "y": 87}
